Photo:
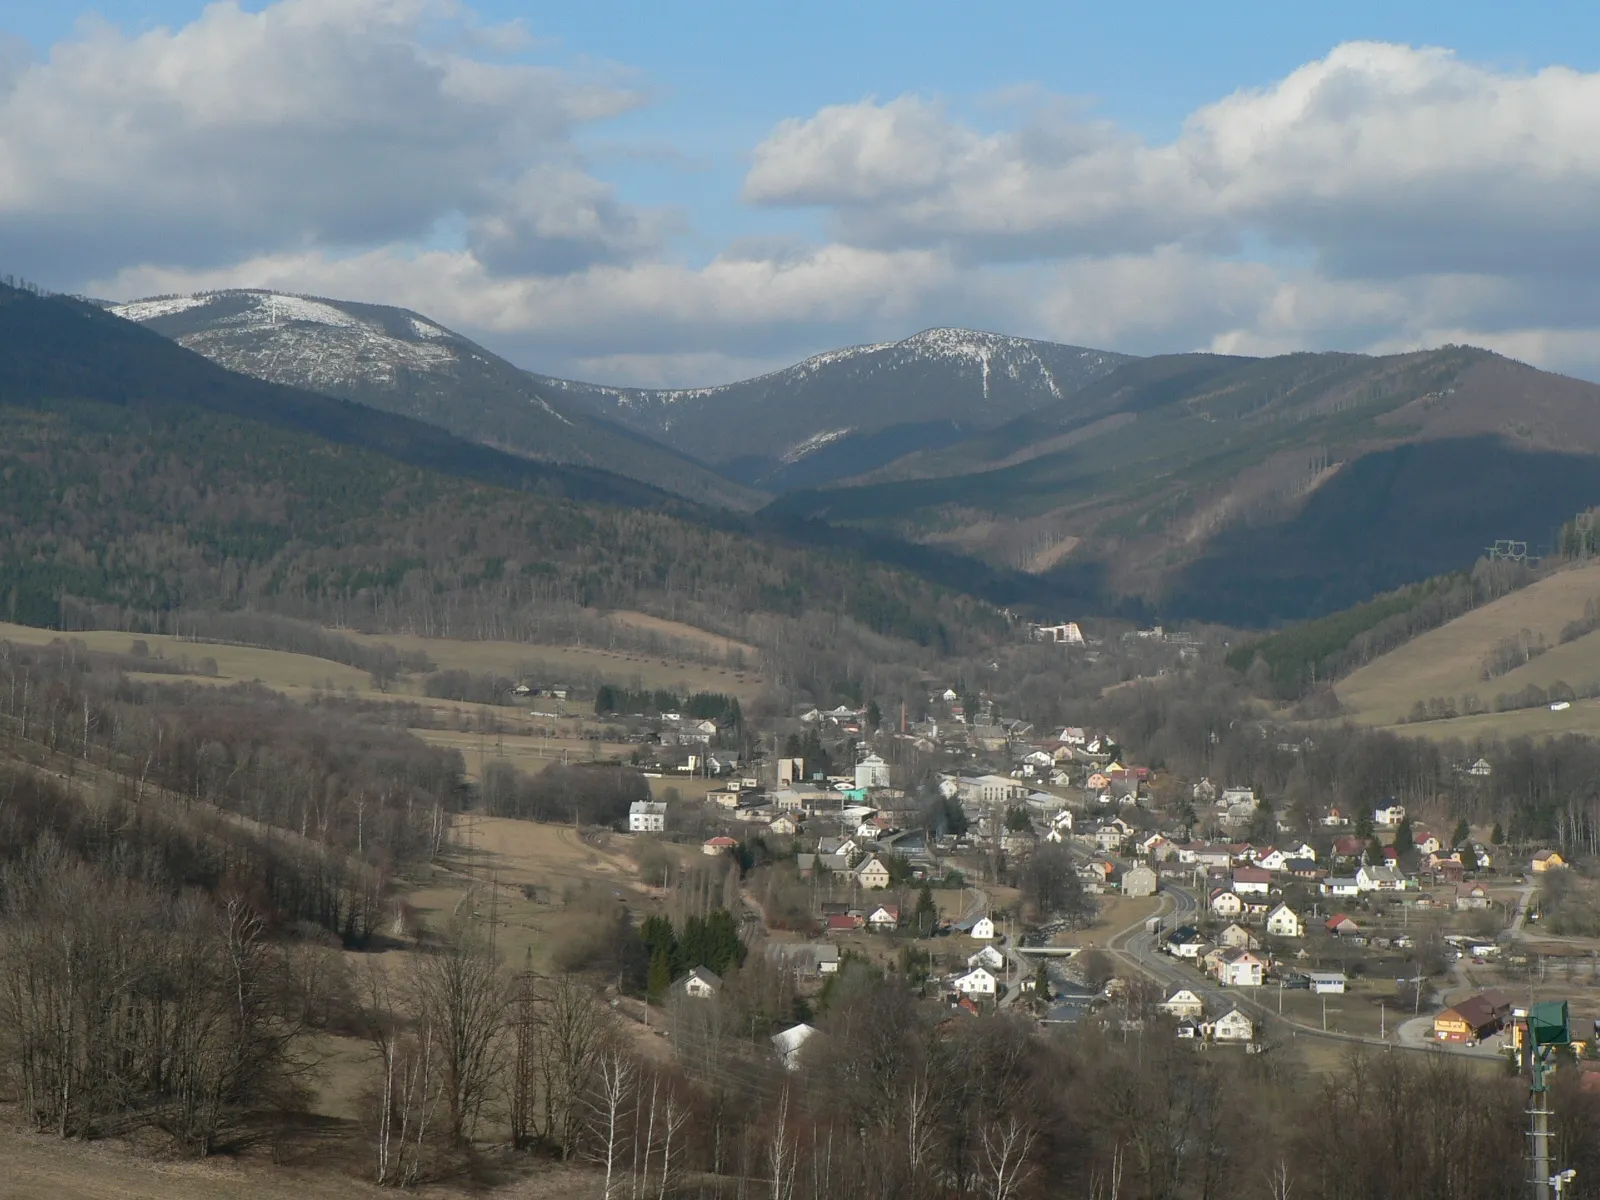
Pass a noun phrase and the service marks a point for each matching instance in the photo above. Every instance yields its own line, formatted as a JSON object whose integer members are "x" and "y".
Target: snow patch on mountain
{"x": 161, "y": 306}
{"x": 814, "y": 443}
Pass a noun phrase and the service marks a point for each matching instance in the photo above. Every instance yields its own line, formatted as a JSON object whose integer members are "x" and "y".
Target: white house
{"x": 872, "y": 772}
{"x": 1226, "y": 904}
{"x": 1184, "y": 1003}
{"x": 1233, "y": 1026}
{"x": 789, "y": 1042}
{"x": 1380, "y": 879}
{"x": 647, "y": 816}
{"x": 987, "y": 957}
{"x": 1248, "y": 881}
{"x": 1283, "y": 921}
{"x": 885, "y": 918}
{"x": 1273, "y": 859}
{"x": 702, "y": 984}
{"x": 983, "y": 929}
{"x": 1339, "y": 886}
{"x": 1325, "y": 983}
{"x": 1072, "y": 736}
{"x": 1390, "y": 816}
{"x": 712, "y": 847}
{"x": 1237, "y": 937}
{"x": 872, "y": 873}
{"x": 1481, "y": 769}
{"x": 976, "y": 982}
{"x": 1303, "y": 850}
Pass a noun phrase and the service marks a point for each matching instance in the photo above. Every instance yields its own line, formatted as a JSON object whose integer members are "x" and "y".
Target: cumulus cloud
{"x": 310, "y": 122}
{"x": 396, "y": 151}
{"x": 1380, "y": 159}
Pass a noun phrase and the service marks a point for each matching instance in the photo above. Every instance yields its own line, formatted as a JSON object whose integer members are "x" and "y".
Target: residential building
{"x": 1380, "y": 879}
{"x": 977, "y": 982}
{"x": 982, "y": 929}
{"x": 1340, "y": 885}
{"x": 789, "y": 1042}
{"x": 1341, "y": 926}
{"x": 784, "y": 825}
{"x": 1240, "y": 968}
{"x": 885, "y": 918}
{"x": 1327, "y": 983}
{"x": 1233, "y": 1026}
{"x": 1470, "y": 1020}
{"x": 1237, "y": 937}
{"x": 1139, "y": 881}
{"x": 1226, "y": 904}
{"x": 712, "y": 847}
{"x": 1389, "y": 815}
{"x": 702, "y": 983}
{"x": 872, "y": 772}
{"x": 1472, "y": 895}
{"x": 987, "y": 957}
{"x": 872, "y": 874}
{"x": 1283, "y": 921}
{"x": 647, "y": 816}
{"x": 1252, "y": 881}
{"x": 1548, "y": 860}
{"x": 1184, "y": 1003}
{"x": 1185, "y": 942}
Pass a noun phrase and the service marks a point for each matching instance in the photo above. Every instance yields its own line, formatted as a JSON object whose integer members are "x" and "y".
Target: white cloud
{"x": 1380, "y": 159}
{"x": 1382, "y": 197}
{"x": 311, "y": 122}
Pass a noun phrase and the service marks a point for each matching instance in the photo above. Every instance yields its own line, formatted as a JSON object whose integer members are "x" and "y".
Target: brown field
{"x": 715, "y": 643}
{"x": 40, "y": 1168}
{"x": 615, "y": 666}
{"x": 1448, "y": 661}
{"x": 1582, "y": 718}
{"x": 526, "y": 753}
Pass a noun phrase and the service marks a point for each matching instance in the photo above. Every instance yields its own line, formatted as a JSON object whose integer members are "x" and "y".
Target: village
{"x": 1196, "y": 902}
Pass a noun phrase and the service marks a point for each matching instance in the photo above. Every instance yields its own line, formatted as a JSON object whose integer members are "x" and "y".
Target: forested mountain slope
{"x": 1254, "y": 490}
{"x": 137, "y": 477}
{"x": 402, "y": 362}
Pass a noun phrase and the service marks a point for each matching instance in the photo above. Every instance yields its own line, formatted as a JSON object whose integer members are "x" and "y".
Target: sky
{"x": 694, "y": 193}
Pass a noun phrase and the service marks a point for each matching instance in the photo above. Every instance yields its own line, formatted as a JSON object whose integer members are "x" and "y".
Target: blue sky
{"x": 715, "y": 188}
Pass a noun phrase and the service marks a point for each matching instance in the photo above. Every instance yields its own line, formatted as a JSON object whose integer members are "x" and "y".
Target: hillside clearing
{"x": 1448, "y": 661}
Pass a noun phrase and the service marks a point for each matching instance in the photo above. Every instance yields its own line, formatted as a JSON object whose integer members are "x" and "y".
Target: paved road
{"x": 1139, "y": 950}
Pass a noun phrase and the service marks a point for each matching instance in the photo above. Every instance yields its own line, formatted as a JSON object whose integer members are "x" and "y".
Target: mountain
{"x": 401, "y": 362}
{"x": 58, "y": 348}
{"x": 137, "y": 477}
{"x": 850, "y": 411}
{"x": 1250, "y": 491}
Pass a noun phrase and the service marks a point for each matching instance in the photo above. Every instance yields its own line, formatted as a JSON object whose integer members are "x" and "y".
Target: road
{"x": 1140, "y": 950}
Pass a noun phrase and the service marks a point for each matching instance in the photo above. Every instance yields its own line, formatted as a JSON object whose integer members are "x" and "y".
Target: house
{"x": 1427, "y": 843}
{"x": 647, "y": 816}
{"x": 1183, "y": 1003}
{"x": 1237, "y": 937}
{"x": 784, "y": 825}
{"x": 1341, "y": 926}
{"x": 1240, "y": 968}
{"x": 1185, "y": 942}
{"x": 1326, "y": 983}
{"x": 979, "y": 981}
{"x": 982, "y": 929}
{"x": 1065, "y": 634}
{"x": 1107, "y": 838}
{"x": 1389, "y": 815}
{"x": 1237, "y": 795}
{"x": 1139, "y": 881}
{"x": 1334, "y": 819}
{"x": 1340, "y": 885}
{"x": 1098, "y": 782}
{"x": 1226, "y": 904}
{"x": 1252, "y": 881}
{"x": 1548, "y": 860}
{"x": 1480, "y": 769}
{"x": 885, "y": 918}
{"x": 1272, "y": 859}
{"x": 1472, "y": 1019}
{"x": 1303, "y": 850}
{"x": 788, "y": 1044}
{"x": 702, "y": 983}
{"x": 1380, "y": 879}
{"x": 872, "y": 772}
{"x": 842, "y": 923}
{"x": 872, "y": 874}
{"x": 987, "y": 957}
{"x": 1233, "y": 1026}
{"x": 842, "y": 846}
{"x": 724, "y": 797}
{"x": 1283, "y": 921}
{"x": 1349, "y": 846}
{"x": 1472, "y": 895}
{"x": 718, "y": 845}
{"x": 1072, "y": 736}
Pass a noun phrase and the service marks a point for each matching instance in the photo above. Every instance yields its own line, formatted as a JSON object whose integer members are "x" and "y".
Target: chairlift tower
{"x": 1544, "y": 1028}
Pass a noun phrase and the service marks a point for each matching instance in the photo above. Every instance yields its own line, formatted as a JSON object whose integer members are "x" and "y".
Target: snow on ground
{"x": 149, "y": 310}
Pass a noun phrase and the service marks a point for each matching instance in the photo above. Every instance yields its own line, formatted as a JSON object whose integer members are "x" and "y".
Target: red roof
{"x": 1339, "y": 919}
{"x": 1251, "y": 875}
{"x": 841, "y": 921}
{"x": 1347, "y": 846}
{"x": 723, "y": 842}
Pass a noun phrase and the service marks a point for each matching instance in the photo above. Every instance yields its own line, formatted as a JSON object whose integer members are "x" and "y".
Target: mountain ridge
{"x": 400, "y": 361}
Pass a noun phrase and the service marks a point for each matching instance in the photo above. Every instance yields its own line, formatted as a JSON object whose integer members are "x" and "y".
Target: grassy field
{"x": 1448, "y": 661}
{"x": 1582, "y": 718}
{"x": 525, "y": 752}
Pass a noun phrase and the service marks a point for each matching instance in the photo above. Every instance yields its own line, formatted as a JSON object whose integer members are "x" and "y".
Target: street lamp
{"x": 1560, "y": 1180}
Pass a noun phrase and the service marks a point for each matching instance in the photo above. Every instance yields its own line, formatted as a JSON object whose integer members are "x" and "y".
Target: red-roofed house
{"x": 718, "y": 845}
{"x": 1339, "y": 924}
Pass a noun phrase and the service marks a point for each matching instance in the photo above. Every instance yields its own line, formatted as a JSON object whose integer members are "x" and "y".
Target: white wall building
{"x": 647, "y": 816}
